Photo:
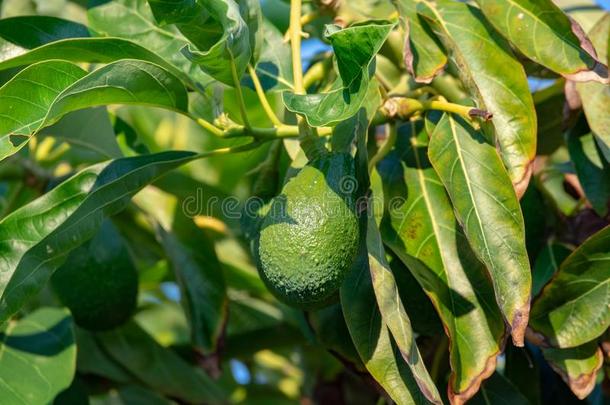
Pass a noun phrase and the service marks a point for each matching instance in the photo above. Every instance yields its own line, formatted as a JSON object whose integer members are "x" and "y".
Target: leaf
{"x": 547, "y": 264}
{"x": 230, "y": 48}
{"x": 55, "y": 88}
{"x": 196, "y": 266}
{"x": 523, "y": 371}
{"x": 573, "y": 308}
{"x": 158, "y": 367}
{"x": 496, "y": 79}
{"x": 76, "y": 129}
{"x": 421, "y": 229}
{"x": 487, "y": 208}
{"x": 424, "y": 55}
{"x": 274, "y": 67}
{"x": 577, "y": 366}
{"x": 355, "y": 49}
{"x": 134, "y": 21}
{"x": 38, "y": 357}
{"x": 497, "y": 390}
{"x": 543, "y": 33}
{"x": 549, "y": 104}
{"x": 35, "y": 30}
{"x": 393, "y": 312}
{"x": 592, "y": 170}
{"x": 372, "y": 338}
{"x": 93, "y": 360}
{"x": 36, "y": 239}
{"x": 131, "y": 395}
{"x": 596, "y": 96}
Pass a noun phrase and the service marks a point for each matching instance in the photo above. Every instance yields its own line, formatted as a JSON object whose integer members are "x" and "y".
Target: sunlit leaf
{"x": 573, "y": 308}
{"x": 543, "y": 33}
{"x": 38, "y": 357}
{"x": 495, "y": 78}
{"x": 422, "y": 230}
{"x": 487, "y": 208}
{"x": 36, "y": 239}
{"x": 355, "y": 49}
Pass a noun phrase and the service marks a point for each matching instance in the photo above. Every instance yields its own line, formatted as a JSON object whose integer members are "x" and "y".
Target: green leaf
{"x": 421, "y": 229}
{"x": 547, "y": 264}
{"x": 134, "y": 21}
{"x": 592, "y": 170}
{"x": 523, "y": 372}
{"x": 596, "y": 96}
{"x": 93, "y": 360}
{"x": 497, "y": 390}
{"x": 355, "y": 49}
{"x": 543, "y": 33}
{"x": 549, "y": 104}
{"x": 496, "y": 80}
{"x": 158, "y": 367}
{"x": 274, "y": 67}
{"x": 393, "y": 312}
{"x": 486, "y": 206}
{"x": 55, "y": 88}
{"x": 230, "y": 51}
{"x": 372, "y": 338}
{"x": 38, "y": 357}
{"x": 424, "y": 55}
{"x": 131, "y": 395}
{"x": 36, "y": 239}
{"x": 577, "y": 366}
{"x": 33, "y": 31}
{"x": 573, "y": 308}
{"x": 196, "y": 266}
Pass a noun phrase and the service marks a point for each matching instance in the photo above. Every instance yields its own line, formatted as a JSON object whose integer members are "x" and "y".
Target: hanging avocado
{"x": 98, "y": 282}
{"x": 309, "y": 237}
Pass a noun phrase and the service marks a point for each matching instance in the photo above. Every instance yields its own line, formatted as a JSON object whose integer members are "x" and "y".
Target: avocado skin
{"x": 309, "y": 237}
{"x": 98, "y": 282}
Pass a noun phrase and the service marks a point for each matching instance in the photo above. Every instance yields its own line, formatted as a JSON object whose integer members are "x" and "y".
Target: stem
{"x": 306, "y": 19}
{"x": 315, "y": 73}
{"x": 209, "y": 126}
{"x": 240, "y": 95}
{"x": 231, "y": 149}
{"x": 403, "y": 108}
{"x": 385, "y": 148}
{"x": 263, "y": 99}
{"x": 295, "y": 45}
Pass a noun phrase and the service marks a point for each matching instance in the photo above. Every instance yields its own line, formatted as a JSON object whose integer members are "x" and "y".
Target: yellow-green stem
{"x": 295, "y": 45}
{"x": 209, "y": 126}
{"x": 240, "y": 95}
{"x": 263, "y": 99}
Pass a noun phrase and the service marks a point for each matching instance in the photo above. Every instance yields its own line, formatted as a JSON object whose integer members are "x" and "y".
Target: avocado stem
{"x": 263, "y": 99}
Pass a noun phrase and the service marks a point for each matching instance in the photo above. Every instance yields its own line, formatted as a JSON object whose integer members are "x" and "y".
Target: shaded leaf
{"x": 596, "y": 96}
{"x": 577, "y": 366}
{"x": 53, "y": 95}
{"x": 549, "y": 104}
{"x": 372, "y": 338}
{"x": 227, "y": 49}
{"x": 543, "y": 33}
{"x": 424, "y": 56}
{"x": 38, "y": 357}
{"x": 497, "y": 390}
{"x": 355, "y": 49}
{"x": 36, "y": 239}
{"x": 274, "y": 67}
{"x": 573, "y": 308}
{"x": 393, "y": 312}
{"x": 35, "y": 30}
{"x": 92, "y": 359}
{"x": 487, "y": 208}
{"x": 523, "y": 371}
{"x": 158, "y": 367}
{"x": 496, "y": 80}
{"x": 421, "y": 229}
{"x": 547, "y": 264}
{"x": 592, "y": 170}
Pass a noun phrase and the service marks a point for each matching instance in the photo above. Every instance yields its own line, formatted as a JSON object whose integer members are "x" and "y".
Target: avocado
{"x": 98, "y": 282}
{"x": 309, "y": 237}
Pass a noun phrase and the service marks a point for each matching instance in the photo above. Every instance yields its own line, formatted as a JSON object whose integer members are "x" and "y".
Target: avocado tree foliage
{"x": 244, "y": 201}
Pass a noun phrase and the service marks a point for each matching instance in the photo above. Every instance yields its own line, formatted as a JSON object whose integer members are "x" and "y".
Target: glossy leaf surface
{"x": 425, "y": 235}
{"x": 487, "y": 208}
{"x": 355, "y": 48}
{"x": 573, "y": 308}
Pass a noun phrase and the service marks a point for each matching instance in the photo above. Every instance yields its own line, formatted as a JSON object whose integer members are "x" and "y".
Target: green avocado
{"x": 309, "y": 237}
{"x": 98, "y": 282}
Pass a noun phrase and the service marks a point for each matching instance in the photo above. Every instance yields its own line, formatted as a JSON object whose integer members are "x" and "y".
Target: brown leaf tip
{"x": 519, "y": 325}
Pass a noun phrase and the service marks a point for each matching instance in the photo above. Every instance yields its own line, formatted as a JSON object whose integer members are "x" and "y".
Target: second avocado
{"x": 309, "y": 237}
